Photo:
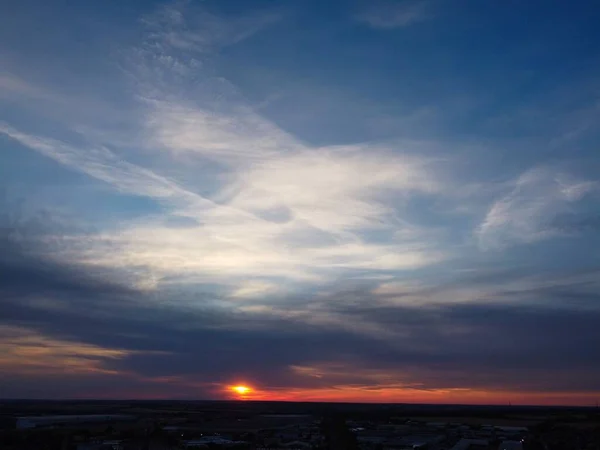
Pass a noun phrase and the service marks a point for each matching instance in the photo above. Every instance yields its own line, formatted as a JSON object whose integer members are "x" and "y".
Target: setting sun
{"x": 241, "y": 389}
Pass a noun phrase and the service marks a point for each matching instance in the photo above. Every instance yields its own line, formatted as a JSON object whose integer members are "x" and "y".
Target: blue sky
{"x": 349, "y": 176}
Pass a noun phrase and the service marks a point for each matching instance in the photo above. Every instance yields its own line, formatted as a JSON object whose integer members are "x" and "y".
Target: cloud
{"x": 523, "y": 215}
{"x": 229, "y": 137}
{"x": 104, "y": 165}
{"x": 224, "y": 250}
{"x": 330, "y": 191}
{"x": 386, "y": 15}
{"x": 254, "y": 288}
{"x": 335, "y": 189}
{"x": 523, "y": 286}
{"x": 307, "y": 270}
{"x": 191, "y": 27}
{"x": 355, "y": 339}
{"x": 179, "y": 41}
{"x": 26, "y": 352}
{"x": 12, "y": 86}
{"x": 266, "y": 204}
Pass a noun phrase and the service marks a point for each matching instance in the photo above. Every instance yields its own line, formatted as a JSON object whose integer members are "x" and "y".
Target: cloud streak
{"x": 524, "y": 215}
{"x": 387, "y": 15}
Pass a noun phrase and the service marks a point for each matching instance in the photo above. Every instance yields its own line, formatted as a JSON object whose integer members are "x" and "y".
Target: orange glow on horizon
{"x": 241, "y": 389}
{"x": 372, "y": 394}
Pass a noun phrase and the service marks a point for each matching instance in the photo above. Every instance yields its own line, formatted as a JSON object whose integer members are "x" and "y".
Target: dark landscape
{"x": 169, "y": 425}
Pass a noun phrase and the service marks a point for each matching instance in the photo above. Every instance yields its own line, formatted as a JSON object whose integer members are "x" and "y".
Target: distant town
{"x": 169, "y": 425}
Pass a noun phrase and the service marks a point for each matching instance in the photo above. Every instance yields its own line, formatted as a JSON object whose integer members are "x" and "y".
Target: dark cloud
{"x": 522, "y": 345}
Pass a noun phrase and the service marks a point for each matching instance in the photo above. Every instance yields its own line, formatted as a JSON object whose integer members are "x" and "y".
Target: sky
{"x": 361, "y": 201}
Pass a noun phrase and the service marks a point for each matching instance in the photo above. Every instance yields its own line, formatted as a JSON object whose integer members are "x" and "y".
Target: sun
{"x": 241, "y": 389}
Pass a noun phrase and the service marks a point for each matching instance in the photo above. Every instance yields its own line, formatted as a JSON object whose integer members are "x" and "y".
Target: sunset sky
{"x": 324, "y": 200}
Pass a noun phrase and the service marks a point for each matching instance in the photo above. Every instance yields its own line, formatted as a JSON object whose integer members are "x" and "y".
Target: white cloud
{"x": 333, "y": 189}
{"x": 524, "y": 215}
{"x": 233, "y": 240}
{"x": 281, "y": 209}
{"x": 389, "y": 14}
{"x": 230, "y": 253}
{"x": 224, "y": 136}
{"x": 254, "y": 288}
{"x": 102, "y": 164}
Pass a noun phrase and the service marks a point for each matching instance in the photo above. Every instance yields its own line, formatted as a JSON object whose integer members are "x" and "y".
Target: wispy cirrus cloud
{"x": 526, "y": 213}
{"x": 277, "y": 208}
{"x": 178, "y": 43}
{"x": 387, "y": 15}
{"x": 188, "y": 27}
{"x": 235, "y": 135}
{"x": 102, "y": 164}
